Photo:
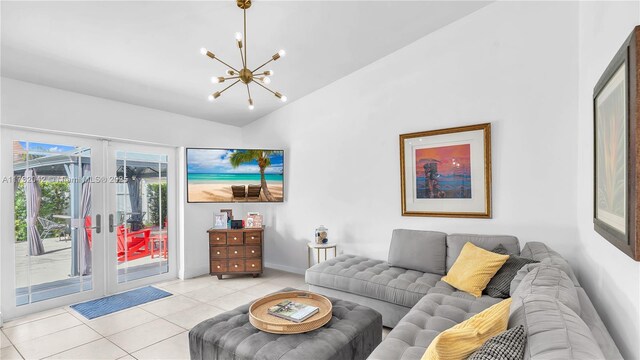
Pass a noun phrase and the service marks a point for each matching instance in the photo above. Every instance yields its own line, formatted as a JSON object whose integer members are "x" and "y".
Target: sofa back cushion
{"x": 541, "y": 252}
{"x": 553, "y": 330}
{"x": 547, "y": 280}
{"x": 418, "y": 250}
{"x": 455, "y": 242}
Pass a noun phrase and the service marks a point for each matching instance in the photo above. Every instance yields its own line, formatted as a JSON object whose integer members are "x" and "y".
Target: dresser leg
{"x": 219, "y": 277}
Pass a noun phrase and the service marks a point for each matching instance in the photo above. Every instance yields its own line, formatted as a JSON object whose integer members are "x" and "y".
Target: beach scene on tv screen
{"x": 232, "y": 175}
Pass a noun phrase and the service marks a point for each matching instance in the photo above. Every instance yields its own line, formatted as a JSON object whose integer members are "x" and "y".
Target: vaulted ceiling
{"x": 147, "y": 52}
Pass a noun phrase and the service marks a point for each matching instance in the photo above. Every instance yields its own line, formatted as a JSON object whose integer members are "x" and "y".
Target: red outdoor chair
{"x": 137, "y": 244}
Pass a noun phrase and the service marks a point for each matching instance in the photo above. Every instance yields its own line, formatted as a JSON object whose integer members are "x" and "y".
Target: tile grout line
{"x": 157, "y": 342}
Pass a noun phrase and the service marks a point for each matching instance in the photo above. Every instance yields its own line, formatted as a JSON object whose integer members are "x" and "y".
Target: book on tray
{"x": 293, "y": 311}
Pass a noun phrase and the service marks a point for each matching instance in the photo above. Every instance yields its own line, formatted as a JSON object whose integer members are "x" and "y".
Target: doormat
{"x": 113, "y": 303}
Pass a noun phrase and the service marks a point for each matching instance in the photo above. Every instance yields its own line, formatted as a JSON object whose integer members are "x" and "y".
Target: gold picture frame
{"x": 446, "y": 172}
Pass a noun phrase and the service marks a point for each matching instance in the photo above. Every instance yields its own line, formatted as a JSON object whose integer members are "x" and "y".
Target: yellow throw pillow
{"x": 473, "y": 269}
{"x": 460, "y": 341}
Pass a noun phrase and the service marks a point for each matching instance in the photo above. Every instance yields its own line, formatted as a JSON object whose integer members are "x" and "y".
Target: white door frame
{"x": 103, "y": 278}
{"x": 112, "y": 269}
{"x": 7, "y": 261}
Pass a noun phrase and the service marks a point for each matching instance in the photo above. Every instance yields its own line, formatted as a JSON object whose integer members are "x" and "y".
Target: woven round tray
{"x": 261, "y": 319}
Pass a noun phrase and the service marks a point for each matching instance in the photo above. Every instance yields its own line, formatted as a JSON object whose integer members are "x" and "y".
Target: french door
{"x": 82, "y": 218}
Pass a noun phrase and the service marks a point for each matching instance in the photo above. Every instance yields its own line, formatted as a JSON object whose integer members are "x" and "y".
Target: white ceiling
{"x": 147, "y": 53}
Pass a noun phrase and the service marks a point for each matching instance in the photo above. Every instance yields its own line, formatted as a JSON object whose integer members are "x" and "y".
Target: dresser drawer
{"x": 218, "y": 266}
{"x": 236, "y": 252}
{"x": 235, "y": 238}
{"x": 236, "y": 265}
{"x": 253, "y": 237}
{"x": 253, "y": 251}
{"x": 218, "y": 238}
{"x": 218, "y": 252}
{"x": 253, "y": 264}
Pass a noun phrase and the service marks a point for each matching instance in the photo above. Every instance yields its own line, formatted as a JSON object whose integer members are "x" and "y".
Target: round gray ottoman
{"x": 353, "y": 333}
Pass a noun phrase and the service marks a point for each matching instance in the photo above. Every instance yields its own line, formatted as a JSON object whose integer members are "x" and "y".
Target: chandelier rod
{"x": 246, "y": 59}
{"x": 248, "y": 91}
{"x": 229, "y": 66}
{"x": 225, "y": 89}
{"x": 266, "y": 88}
{"x": 261, "y": 66}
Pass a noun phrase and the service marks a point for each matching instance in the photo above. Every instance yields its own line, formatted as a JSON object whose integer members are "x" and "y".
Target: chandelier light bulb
{"x": 217, "y": 79}
{"x": 211, "y": 98}
{"x": 266, "y": 80}
{"x": 231, "y": 72}
{"x": 282, "y": 53}
{"x": 251, "y": 104}
{"x": 239, "y": 36}
{"x": 269, "y": 72}
{"x": 203, "y": 51}
{"x": 283, "y": 98}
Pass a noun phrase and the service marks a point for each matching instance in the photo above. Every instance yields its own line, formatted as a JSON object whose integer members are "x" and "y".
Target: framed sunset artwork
{"x": 446, "y": 172}
{"x": 616, "y": 186}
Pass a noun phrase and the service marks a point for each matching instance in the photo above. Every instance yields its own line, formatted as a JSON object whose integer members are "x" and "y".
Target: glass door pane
{"x": 52, "y": 204}
{"x": 141, "y": 215}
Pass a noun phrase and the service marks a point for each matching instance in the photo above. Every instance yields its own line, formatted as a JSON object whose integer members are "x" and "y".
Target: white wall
{"x": 611, "y": 278}
{"x": 512, "y": 64}
{"x": 41, "y": 107}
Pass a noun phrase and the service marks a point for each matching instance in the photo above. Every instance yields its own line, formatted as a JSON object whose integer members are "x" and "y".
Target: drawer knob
{"x": 253, "y": 265}
{"x": 252, "y": 238}
{"x": 217, "y": 238}
{"x": 235, "y": 252}
{"x": 236, "y": 265}
{"x": 235, "y": 238}
{"x": 218, "y": 252}
{"x": 218, "y": 266}
{"x": 253, "y": 251}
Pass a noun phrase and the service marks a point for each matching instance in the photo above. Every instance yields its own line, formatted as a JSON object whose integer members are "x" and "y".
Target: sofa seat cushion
{"x": 372, "y": 278}
{"x": 441, "y": 309}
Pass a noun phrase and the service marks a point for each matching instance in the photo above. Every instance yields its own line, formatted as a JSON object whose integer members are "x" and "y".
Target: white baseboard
{"x": 286, "y": 268}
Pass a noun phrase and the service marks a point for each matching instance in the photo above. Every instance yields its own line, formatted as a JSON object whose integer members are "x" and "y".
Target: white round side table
{"x": 313, "y": 246}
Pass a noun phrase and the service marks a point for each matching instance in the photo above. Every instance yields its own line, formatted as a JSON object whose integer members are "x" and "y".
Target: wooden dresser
{"x": 235, "y": 251}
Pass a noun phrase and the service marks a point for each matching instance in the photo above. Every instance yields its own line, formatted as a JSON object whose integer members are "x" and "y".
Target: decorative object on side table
{"x": 234, "y": 252}
{"x": 321, "y": 235}
{"x": 447, "y": 172}
{"x": 315, "y": 246}
{"x": 616, "y": 107}
{"x": 261, "y": 319}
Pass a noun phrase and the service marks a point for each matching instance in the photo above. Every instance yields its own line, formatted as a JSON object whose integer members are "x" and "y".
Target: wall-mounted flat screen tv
{"x": 235, "y": 175}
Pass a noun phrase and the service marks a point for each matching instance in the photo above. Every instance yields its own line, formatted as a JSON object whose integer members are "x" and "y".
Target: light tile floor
{"x": 156, "y": 330}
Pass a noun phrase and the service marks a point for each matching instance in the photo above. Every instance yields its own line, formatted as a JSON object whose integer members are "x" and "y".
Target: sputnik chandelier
{"x": 245, "y": 75}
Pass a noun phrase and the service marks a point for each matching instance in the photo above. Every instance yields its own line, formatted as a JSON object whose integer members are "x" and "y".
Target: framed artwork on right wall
{"x": 616, "y": 106}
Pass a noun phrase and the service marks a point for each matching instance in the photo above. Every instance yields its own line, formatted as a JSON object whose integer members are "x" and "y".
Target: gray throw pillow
{"x": 498, "y": 286}
{"x": 508, "y": 345}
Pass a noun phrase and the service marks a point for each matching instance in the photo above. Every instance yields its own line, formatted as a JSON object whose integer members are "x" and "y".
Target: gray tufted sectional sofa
{"x": 559, "y": 318}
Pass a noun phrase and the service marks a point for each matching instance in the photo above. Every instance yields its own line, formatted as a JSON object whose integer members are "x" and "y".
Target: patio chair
{"x": 49, "y": 226}
{"x": 254, "y": 191}
{"x": 137, "y": 244}
{"x": 239, "y": 192}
